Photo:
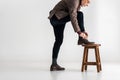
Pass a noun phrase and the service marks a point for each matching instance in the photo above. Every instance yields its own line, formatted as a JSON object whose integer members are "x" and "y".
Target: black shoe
{"x": 82, "y": 41}
{"x": 56, "y": 68}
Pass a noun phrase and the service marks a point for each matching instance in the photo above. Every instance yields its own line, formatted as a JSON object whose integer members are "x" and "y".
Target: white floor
{"x": 40, "y": 71}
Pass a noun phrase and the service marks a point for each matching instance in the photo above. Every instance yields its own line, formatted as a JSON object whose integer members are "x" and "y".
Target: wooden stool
{"x": 85, "y": 57}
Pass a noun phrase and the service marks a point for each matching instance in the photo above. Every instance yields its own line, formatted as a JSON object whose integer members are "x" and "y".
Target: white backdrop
{"x": 26, "y": 34}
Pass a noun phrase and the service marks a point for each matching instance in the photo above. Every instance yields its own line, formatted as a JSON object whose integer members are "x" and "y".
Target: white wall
{"x": 26, "y": 34}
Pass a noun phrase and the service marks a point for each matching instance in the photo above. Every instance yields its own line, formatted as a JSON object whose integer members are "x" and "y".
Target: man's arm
{"x": 73, "y": 6}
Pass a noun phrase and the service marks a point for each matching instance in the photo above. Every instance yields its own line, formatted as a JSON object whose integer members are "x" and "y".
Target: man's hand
{"x": 83, "y": 35}
{"x": 85, "y": 3}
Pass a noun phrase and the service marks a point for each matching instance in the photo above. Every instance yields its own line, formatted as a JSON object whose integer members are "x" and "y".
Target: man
{"x": 63, "y": 12}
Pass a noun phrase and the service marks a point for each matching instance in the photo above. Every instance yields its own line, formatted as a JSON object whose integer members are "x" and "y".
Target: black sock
{"x": 54, "y": 61}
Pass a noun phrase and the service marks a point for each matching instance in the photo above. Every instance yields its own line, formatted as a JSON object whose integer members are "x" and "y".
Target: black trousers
{"x": 58, "y": 26}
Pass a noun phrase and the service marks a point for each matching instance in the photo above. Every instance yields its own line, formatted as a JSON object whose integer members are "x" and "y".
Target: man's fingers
{"x": 83, "y": 35}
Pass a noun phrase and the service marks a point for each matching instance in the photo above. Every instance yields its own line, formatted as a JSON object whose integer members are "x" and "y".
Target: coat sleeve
{"x": 73, "y": 7}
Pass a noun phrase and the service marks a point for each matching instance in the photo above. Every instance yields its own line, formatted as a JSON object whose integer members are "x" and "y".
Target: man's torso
{"x": 61, "y": 9}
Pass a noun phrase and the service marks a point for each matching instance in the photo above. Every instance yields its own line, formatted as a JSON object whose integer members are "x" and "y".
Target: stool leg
{"x": 84, "y": 58}
{"x": 97, "y": 60}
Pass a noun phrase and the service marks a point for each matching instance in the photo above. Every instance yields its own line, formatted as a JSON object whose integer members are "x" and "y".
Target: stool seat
{"x": 91, "y": 45}
{"x": 85, "y": 61}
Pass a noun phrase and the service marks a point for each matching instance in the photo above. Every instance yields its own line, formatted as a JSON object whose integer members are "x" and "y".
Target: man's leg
{"x": 80, "y": 18}
{"x": 58, "y": 26}
{"x": 58, "y": 32}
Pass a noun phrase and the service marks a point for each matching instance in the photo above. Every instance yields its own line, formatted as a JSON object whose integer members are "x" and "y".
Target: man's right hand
{"x": 83, "y": 35}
